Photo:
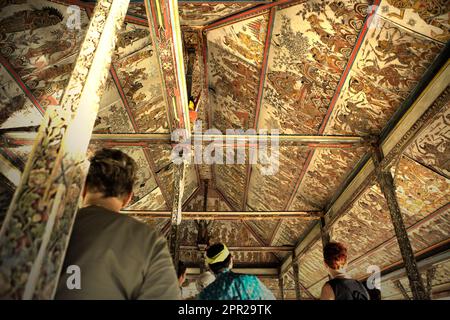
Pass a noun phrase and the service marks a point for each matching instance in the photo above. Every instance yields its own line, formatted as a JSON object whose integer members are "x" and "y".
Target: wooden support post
{"x": 281, "y": 286}
{"x": 387, "y": 186}
{"x": 295, "y": 269}
{"x": 431, "y": 273}
{"x": 324, "y": 232}
{"x": 178, "y": 189}
{"x": 402, "y": 289}
{"x": 38, "y": 224}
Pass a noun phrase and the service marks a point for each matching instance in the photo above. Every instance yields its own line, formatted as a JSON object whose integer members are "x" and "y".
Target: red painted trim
{"x": 123, "y": 97}
{"x": 21, "y": 84}
{"x": 348, "y": 66}
{"x": 300, "y": 178}
{"x": 260, "y": 94}
{"x": 254, "y": 11}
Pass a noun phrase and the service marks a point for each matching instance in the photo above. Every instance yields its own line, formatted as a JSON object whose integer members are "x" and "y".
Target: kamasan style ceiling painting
{"x": 310, "y": 68}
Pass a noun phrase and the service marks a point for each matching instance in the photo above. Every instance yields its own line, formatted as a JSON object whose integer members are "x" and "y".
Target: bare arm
{"x": 327, "y": 293}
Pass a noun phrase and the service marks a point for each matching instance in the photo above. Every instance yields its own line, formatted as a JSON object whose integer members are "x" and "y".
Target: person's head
{"x": 181, "y": 272}
{"x": 218, "y": 257}
{"x": 110, "y": 179}
{"x": 204, "y": 280}
{"x": 335, "y": 256}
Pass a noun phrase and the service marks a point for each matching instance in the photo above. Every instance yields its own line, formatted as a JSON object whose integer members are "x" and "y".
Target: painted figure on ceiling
{"x": 31, "y": 20}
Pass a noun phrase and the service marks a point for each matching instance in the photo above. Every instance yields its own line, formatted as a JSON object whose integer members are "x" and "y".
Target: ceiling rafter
{"x": 4, "y": 62}
{"x": 262, "y": 80}
{"x": 91, "y": 5}
{"x": 231, "y": 215}
{"x": 246, "y": 14}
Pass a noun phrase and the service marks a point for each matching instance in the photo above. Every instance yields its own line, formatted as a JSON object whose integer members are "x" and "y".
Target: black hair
{"x": 181, "y": 269}
{"x": 214, "y": 250}
{"x": 112, "y": 173}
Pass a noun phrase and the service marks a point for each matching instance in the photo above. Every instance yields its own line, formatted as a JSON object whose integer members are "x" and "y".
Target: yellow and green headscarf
{"x": 220, "y": 257}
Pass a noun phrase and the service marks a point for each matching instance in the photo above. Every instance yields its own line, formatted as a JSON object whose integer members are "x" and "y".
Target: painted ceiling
{"x": 307, "y": 67}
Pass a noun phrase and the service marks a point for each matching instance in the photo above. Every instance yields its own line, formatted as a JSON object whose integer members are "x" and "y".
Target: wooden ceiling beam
{"x": 246, "y": 249}
{"x": 164, "y": 23}
{"x": 231, "y": 215}
{"x": 14, "y": 138}
{"x": 246, "y": 14}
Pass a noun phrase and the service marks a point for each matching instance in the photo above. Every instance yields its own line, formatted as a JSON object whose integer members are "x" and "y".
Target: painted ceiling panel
{"x": 152, "y": 201}
{"x": 362, "y": 108}
{"x": 196, "y": 13}
{"x": 326, "y": 172}
{"x": 233, "y": 86}
{"x": 290, "y": 231}
{"x": 420, "y": 191}
{"x": 161, "y": 155}
{"x": 365, "y": 225}
{"x": 234, "y": 65}
{"x": 131, "y": 38}
{"x": 200, "y": 14}
{"x": 140, "y": 79}
{"x": 310, "y": 46}
{"x": 214, "y": 202}
{"x": 230, "y": 180}
{"x": 112, "y": 116}
{"x": 311, "y": 265}
{"x": 32, "y": 34}
{"x": 264, "y": 228}
{"x": 432, "y": 146}
{"x": 271, "y": 192}
{"x": 394, "y": 58}
{"x": 16, "y": 110}
{"x": 428, "y": 17}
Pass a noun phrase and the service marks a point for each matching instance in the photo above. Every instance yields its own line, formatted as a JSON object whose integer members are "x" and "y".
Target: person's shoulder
{"x": 118, "y": 221}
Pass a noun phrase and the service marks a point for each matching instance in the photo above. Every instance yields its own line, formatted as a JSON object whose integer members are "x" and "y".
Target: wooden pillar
{"x": 37, "y": 228}
{"x": 281, "y": 286}
{"x": 387, "y": 186}
{"x": 295, "y": 269}
{"x": 178, "y": 189}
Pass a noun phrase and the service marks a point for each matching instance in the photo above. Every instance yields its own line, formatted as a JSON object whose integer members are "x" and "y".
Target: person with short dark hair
{"x": 117, "y": 257}
{"x": 341, "y": 286}
{"x": 229, "y": 285}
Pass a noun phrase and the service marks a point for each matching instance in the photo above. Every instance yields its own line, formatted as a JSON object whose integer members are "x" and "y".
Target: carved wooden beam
{"x": 247, "y": 249}
{"x": 387, "y": 186}
{"x": 176, "y": 214}
{"x": 281, "y": 287}
{"x": 165, "y": 28}
{"x": 262, "y": 80}
{"x": 252, "y": 12}
{"x": 48, "y": 194}
{"x": 14, "y": 138}
{"x": 231, "y": 215}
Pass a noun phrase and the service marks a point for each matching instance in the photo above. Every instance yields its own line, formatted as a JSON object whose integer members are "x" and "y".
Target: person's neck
{"x": 98, "y": 199}
{"x": 340, "y": 273}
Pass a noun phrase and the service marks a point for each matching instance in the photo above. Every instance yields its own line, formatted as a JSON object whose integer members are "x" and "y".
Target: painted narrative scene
{"x": 224, "y": 150}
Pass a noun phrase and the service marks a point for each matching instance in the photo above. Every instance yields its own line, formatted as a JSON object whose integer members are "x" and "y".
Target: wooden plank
{"x": 231, "y": 215}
